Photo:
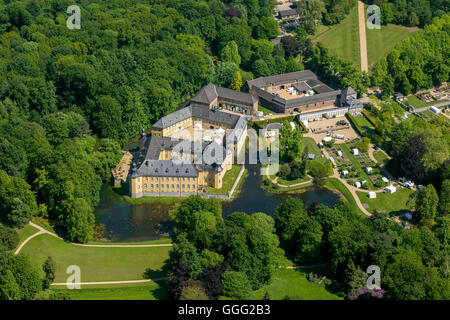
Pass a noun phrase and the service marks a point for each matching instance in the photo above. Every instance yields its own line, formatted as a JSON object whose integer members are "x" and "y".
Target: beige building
{"x": 170, "y": 166}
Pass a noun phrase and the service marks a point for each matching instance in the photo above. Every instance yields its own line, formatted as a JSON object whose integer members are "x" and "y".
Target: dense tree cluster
{"x": 420, "y": 149}
{"x": 221, "y": 257}
{"x": 413, "y": 262}
{"x": 419, "y": 62}
{"x": 410, "y": 12}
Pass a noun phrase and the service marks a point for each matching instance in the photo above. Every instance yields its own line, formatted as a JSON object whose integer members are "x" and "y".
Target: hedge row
{"x": 355, "y": 124}
{"x": 369, "y": 117}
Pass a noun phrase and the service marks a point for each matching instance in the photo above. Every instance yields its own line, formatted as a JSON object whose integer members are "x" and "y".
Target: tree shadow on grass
{"x": 322, "y": 271}
{"x": 150, "y": 273}
{"x": 161, "y": 292}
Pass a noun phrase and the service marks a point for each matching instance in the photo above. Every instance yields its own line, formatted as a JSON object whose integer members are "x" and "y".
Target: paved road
{"x": 362, "y": 37}
{"x": 418, "y": 110}
{"x": 43, "y": 231}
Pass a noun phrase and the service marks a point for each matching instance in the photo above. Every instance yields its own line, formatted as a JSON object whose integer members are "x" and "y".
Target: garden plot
{"x": 355, "y": 165}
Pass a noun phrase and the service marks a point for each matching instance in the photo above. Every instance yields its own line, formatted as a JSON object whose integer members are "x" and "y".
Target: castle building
{"x": 304, "y": 94}
{"x": 167, "y": 165}
{"x": 211, "y": 96}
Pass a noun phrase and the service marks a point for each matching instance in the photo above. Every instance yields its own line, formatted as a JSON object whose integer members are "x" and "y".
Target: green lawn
{"x": 311, "y": 146}
{"x": 335, "y": 184}
{"x": 417, "y": 103}
{"x": 381, "y": 158}
{"x": 343, "y": 38}
{"x": 25, "y": 232}
{"x": 289, "y": 183}
{"x": 97, "y": 264}
{"x": 265, "y": 110}
{"x": 158, "y": 241}
{"x": 164, "y": 200}
{"x": 227, "y": 181}
{"x": 148, "y": 291}
{"x": 363, "y": 122}
{"x": 381, "y": 41}
{"x": 391, "y": 203}
{"x": 293, "y": 282}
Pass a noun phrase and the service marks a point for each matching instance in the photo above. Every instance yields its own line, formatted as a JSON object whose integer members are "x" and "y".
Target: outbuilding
{"x": 390, "y": 189}
{"x": 355, "y": 152}
{"x": 435, "y": 110}
{"x": 369, "y": 170}
{"x": 372, "y": 195}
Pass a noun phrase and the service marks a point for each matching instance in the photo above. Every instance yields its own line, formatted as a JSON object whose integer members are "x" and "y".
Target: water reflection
{"x": 129, "y": 223}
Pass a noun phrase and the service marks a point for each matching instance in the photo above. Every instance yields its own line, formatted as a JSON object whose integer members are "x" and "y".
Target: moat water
{"x": 124, "y": 222}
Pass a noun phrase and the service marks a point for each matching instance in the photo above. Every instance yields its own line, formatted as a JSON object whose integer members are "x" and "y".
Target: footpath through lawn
{"x": 97, "y": 263}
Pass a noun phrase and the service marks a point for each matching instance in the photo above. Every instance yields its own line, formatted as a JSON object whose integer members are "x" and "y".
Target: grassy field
{"x": 293, "y": 282}
{"x": 343, "y": 38}
{"x": 228, "y": 180}
{"x": 335, "y": 184}
{"x": 97, "y": 264}
{"x": 148, "y": 291}
{"x": 380, "y": 157}
{"x": 391, "y": 203}
{"x": 381, "y": 41}
{"x": 311, "y": 146}
{"x": 363, "y": 122}
{"x": 417, "y": 103}
{"x": 25, "y": 232}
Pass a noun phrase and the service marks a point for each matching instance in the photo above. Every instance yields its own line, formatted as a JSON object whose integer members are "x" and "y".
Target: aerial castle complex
{"x": 170, "y": 162}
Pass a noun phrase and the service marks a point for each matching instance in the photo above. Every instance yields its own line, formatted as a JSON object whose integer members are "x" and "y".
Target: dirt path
{"x": 108, "y": 282}
{"x": 362, "y": 37}
{"x": 351, "y": 188}
{"x": 274, "y": 181}
{"x": 43, "y": 231}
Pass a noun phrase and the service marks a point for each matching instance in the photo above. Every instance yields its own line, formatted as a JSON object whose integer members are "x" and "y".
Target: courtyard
{"x": 330, "y": 124}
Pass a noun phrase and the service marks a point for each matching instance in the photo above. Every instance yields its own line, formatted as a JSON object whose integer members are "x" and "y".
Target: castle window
{"x": 173, "y": 186}
{"x": 151, "y": 186}
{"x": 157, "y": 185}
{"x": 193, "y": 186}
{"x": 145, "y": 186}
{"x": 167, "y": 186}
